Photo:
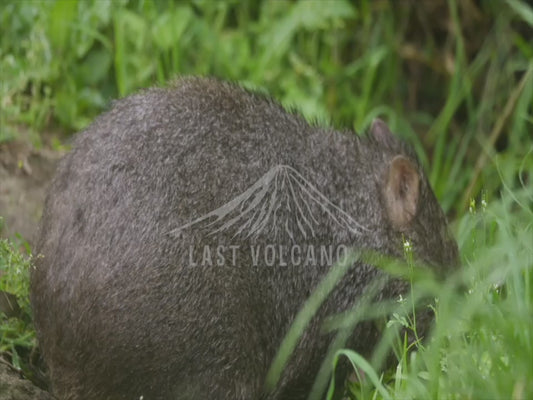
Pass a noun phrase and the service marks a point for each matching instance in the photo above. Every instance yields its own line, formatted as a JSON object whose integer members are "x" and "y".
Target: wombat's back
{"x": 121, "y": 308}
{"x": 118, "y": 315}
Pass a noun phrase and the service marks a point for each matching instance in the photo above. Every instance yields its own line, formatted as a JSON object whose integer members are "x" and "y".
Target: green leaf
{"x": 61, "y": 16}
{"x": 316, "y": 15}
{"x": 95, "y": 68}
{"x": 522, "y": 9}
{"x": 359, "y": 362}
{"x": 168, "y": 28}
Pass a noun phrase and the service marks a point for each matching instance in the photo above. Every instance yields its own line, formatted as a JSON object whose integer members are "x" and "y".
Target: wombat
{"x": 188, "y": 226}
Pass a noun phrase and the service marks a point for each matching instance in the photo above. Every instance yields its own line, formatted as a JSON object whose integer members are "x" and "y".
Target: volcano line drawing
{"x": 280, "y": 195}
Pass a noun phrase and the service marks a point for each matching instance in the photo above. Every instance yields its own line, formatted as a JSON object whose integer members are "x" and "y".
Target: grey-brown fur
{"x": 120, "y": 312}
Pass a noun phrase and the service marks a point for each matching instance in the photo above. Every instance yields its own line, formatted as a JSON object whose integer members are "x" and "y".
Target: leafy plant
{"x": 482, "y": 344}
{"x": 16, "y": 331}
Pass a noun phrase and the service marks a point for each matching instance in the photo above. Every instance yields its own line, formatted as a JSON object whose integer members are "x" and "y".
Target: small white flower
{"x": 472, "y": 206}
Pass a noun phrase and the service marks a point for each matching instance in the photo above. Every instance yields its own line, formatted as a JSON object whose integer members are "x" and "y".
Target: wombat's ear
{"x": 401, "y": 192}
{"x": 381, "y": 132}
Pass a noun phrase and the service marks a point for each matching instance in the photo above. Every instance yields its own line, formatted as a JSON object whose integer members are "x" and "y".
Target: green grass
{"x": 17, "y": 337}
{"x": 453, "y": 77}
{"x": 481, "y": 346}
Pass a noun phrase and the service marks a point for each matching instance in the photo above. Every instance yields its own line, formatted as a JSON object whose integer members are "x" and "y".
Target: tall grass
{"x": 481, "y": 346}
{"x": 453, "y": 77}
{"x": 449, "y": 76}
{"x": 17, "y": 336}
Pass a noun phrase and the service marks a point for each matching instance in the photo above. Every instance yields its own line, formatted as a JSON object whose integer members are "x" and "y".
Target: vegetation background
{"x": 453, "y": 77}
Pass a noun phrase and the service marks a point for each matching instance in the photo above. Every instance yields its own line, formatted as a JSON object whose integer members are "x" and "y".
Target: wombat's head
{"x": 410, "y": 210}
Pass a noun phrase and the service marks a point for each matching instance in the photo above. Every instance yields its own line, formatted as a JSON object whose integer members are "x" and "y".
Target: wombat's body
{"x": 127, "y": 300}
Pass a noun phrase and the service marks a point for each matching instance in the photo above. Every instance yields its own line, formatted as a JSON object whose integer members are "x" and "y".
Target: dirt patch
{"x": 25, "y": 174}
{"x": 14, "y": 387}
